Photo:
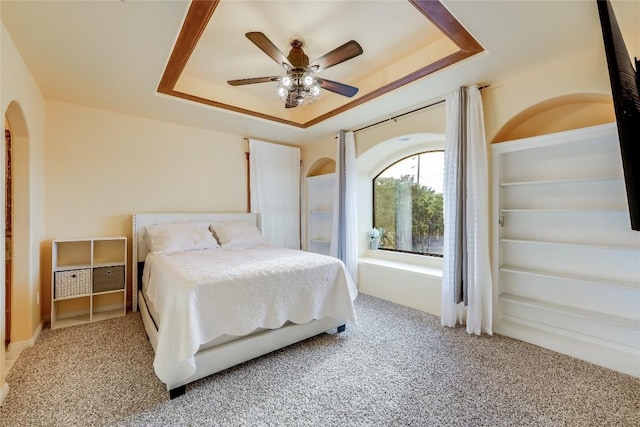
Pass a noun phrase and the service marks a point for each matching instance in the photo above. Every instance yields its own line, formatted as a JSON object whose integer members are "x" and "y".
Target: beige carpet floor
{"x": 397, "y": 367}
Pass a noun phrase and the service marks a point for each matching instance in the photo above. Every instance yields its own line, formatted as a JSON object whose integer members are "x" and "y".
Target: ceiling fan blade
{"x": 340, "y": 54}
{"x": 267, "y": 47}
{"x": 240, "y": 82}
{"x": 339, "y": 88}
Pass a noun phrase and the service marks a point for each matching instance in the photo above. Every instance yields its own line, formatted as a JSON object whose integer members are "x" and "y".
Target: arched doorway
{"x": 8, "y": 217}
{"x": 19, "y": 297}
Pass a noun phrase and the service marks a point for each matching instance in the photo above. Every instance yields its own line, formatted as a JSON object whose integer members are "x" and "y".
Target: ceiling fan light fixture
{"x": 286, "y": 81}
{"x": 315, "y": 89}
{"x": 298, "y": 87}
{"x": 283, "y": 92}
{"x": 308, "y": 80}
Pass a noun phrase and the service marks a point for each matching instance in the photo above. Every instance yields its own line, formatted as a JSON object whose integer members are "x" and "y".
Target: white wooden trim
{"x": 15, "y": 348}
{"x": 4, "y": 391}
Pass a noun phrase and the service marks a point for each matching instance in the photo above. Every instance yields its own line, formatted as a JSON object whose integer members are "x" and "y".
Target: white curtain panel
{"x": 480, "y": 287}
{"x": 275, "y": 191}
{"x": 451, "y": 312}
{"x": 467, "y": 217}
{"x": 344, "y": 238}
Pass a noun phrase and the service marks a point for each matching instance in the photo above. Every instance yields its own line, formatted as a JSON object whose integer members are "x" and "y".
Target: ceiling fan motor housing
{"x": 296, "y": 56}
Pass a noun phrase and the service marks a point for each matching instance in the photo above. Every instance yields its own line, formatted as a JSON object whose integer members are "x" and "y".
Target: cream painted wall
{"x": 24, "y": 107}
{"x": 101, "y": 167}
{"x": 431, "y": 120}
{"x": 503, "y": 100}
{"x": 583, "y": 74}
{"x": 310, "y": 153}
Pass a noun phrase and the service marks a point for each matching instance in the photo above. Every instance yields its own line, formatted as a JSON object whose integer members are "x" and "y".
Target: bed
{"x": 213, "y": 293}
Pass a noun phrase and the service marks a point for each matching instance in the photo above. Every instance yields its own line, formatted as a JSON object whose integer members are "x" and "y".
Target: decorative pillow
{"x": 185, "y": 236}
{"x": 238, "y": 234}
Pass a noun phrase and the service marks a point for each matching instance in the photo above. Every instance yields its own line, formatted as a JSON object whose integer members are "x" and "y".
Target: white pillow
{"x": 238, "y": 234}
{"x": 185, "y": 236}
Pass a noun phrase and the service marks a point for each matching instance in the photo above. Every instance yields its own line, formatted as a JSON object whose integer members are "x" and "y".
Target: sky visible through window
{"x": 426, "y": 168}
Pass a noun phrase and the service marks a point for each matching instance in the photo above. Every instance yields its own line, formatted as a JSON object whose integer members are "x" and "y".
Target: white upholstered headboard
{"x": 141, "y": 221}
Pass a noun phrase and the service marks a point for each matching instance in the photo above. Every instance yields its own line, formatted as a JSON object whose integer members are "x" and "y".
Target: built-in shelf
{"x": 573, "y": 277}
{"x": 320, "y": 194}
{"x": 573, "y": 244}
{"x": 565, "y": 260}
{"x": 623, "y": 322}
{"x": 571, "y": 343}
{"x": 562, "y": 181}
{"x": 569, "y": 211}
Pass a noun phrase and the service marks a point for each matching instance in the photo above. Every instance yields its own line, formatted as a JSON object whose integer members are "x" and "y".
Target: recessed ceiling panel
{"x": 212, "y": 49}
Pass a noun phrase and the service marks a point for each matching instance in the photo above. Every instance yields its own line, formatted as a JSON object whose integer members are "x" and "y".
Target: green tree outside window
{"x": 408, "y": 208}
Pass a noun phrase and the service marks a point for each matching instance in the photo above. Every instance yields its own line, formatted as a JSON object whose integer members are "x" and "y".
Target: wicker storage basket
{"x": 71, "y": 283}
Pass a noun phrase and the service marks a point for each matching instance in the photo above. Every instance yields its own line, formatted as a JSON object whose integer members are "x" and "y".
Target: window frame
{"x": 373, "y": 201}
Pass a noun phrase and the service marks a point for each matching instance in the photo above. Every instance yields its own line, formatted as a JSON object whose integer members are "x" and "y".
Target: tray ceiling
{"x": 412, "y": 39}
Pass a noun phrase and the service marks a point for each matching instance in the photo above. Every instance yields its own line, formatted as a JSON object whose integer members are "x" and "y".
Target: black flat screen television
{"x": 626, "y": 103}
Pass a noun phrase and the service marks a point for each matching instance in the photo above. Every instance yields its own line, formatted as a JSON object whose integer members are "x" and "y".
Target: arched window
{"x": 408, "y": 206}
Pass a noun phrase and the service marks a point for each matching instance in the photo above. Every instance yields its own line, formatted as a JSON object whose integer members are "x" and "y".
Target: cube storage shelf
{"x": 88, "y": 280}
{"x": 566, "y": 262}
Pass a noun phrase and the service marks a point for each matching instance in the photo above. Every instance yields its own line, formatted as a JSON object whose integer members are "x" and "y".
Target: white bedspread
{"x": 203, "y": 294}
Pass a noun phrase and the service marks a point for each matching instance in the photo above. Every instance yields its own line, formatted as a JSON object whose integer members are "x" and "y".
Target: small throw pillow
{"x": 238, "y": 234}
{"x": 185, "y": 236}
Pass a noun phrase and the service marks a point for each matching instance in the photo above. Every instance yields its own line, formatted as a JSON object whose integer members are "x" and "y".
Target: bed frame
{"x": 215, "y": 359}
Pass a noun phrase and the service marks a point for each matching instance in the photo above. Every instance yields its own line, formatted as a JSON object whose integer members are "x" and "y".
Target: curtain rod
{"x": 407, "y": 113}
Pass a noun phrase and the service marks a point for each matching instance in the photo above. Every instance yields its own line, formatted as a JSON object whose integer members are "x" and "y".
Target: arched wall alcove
{"x": 322, "y": 166}
{"x": 558, "y": 114}
{"x": 21, "y": 295}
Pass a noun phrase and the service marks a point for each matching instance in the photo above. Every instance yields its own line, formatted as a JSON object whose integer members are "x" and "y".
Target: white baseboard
{"x": 4, "y": 391}
{"x": 15, "y": 348}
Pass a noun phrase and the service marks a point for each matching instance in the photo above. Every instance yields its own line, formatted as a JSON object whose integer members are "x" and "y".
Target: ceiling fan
{"x": 300, "y": 85}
